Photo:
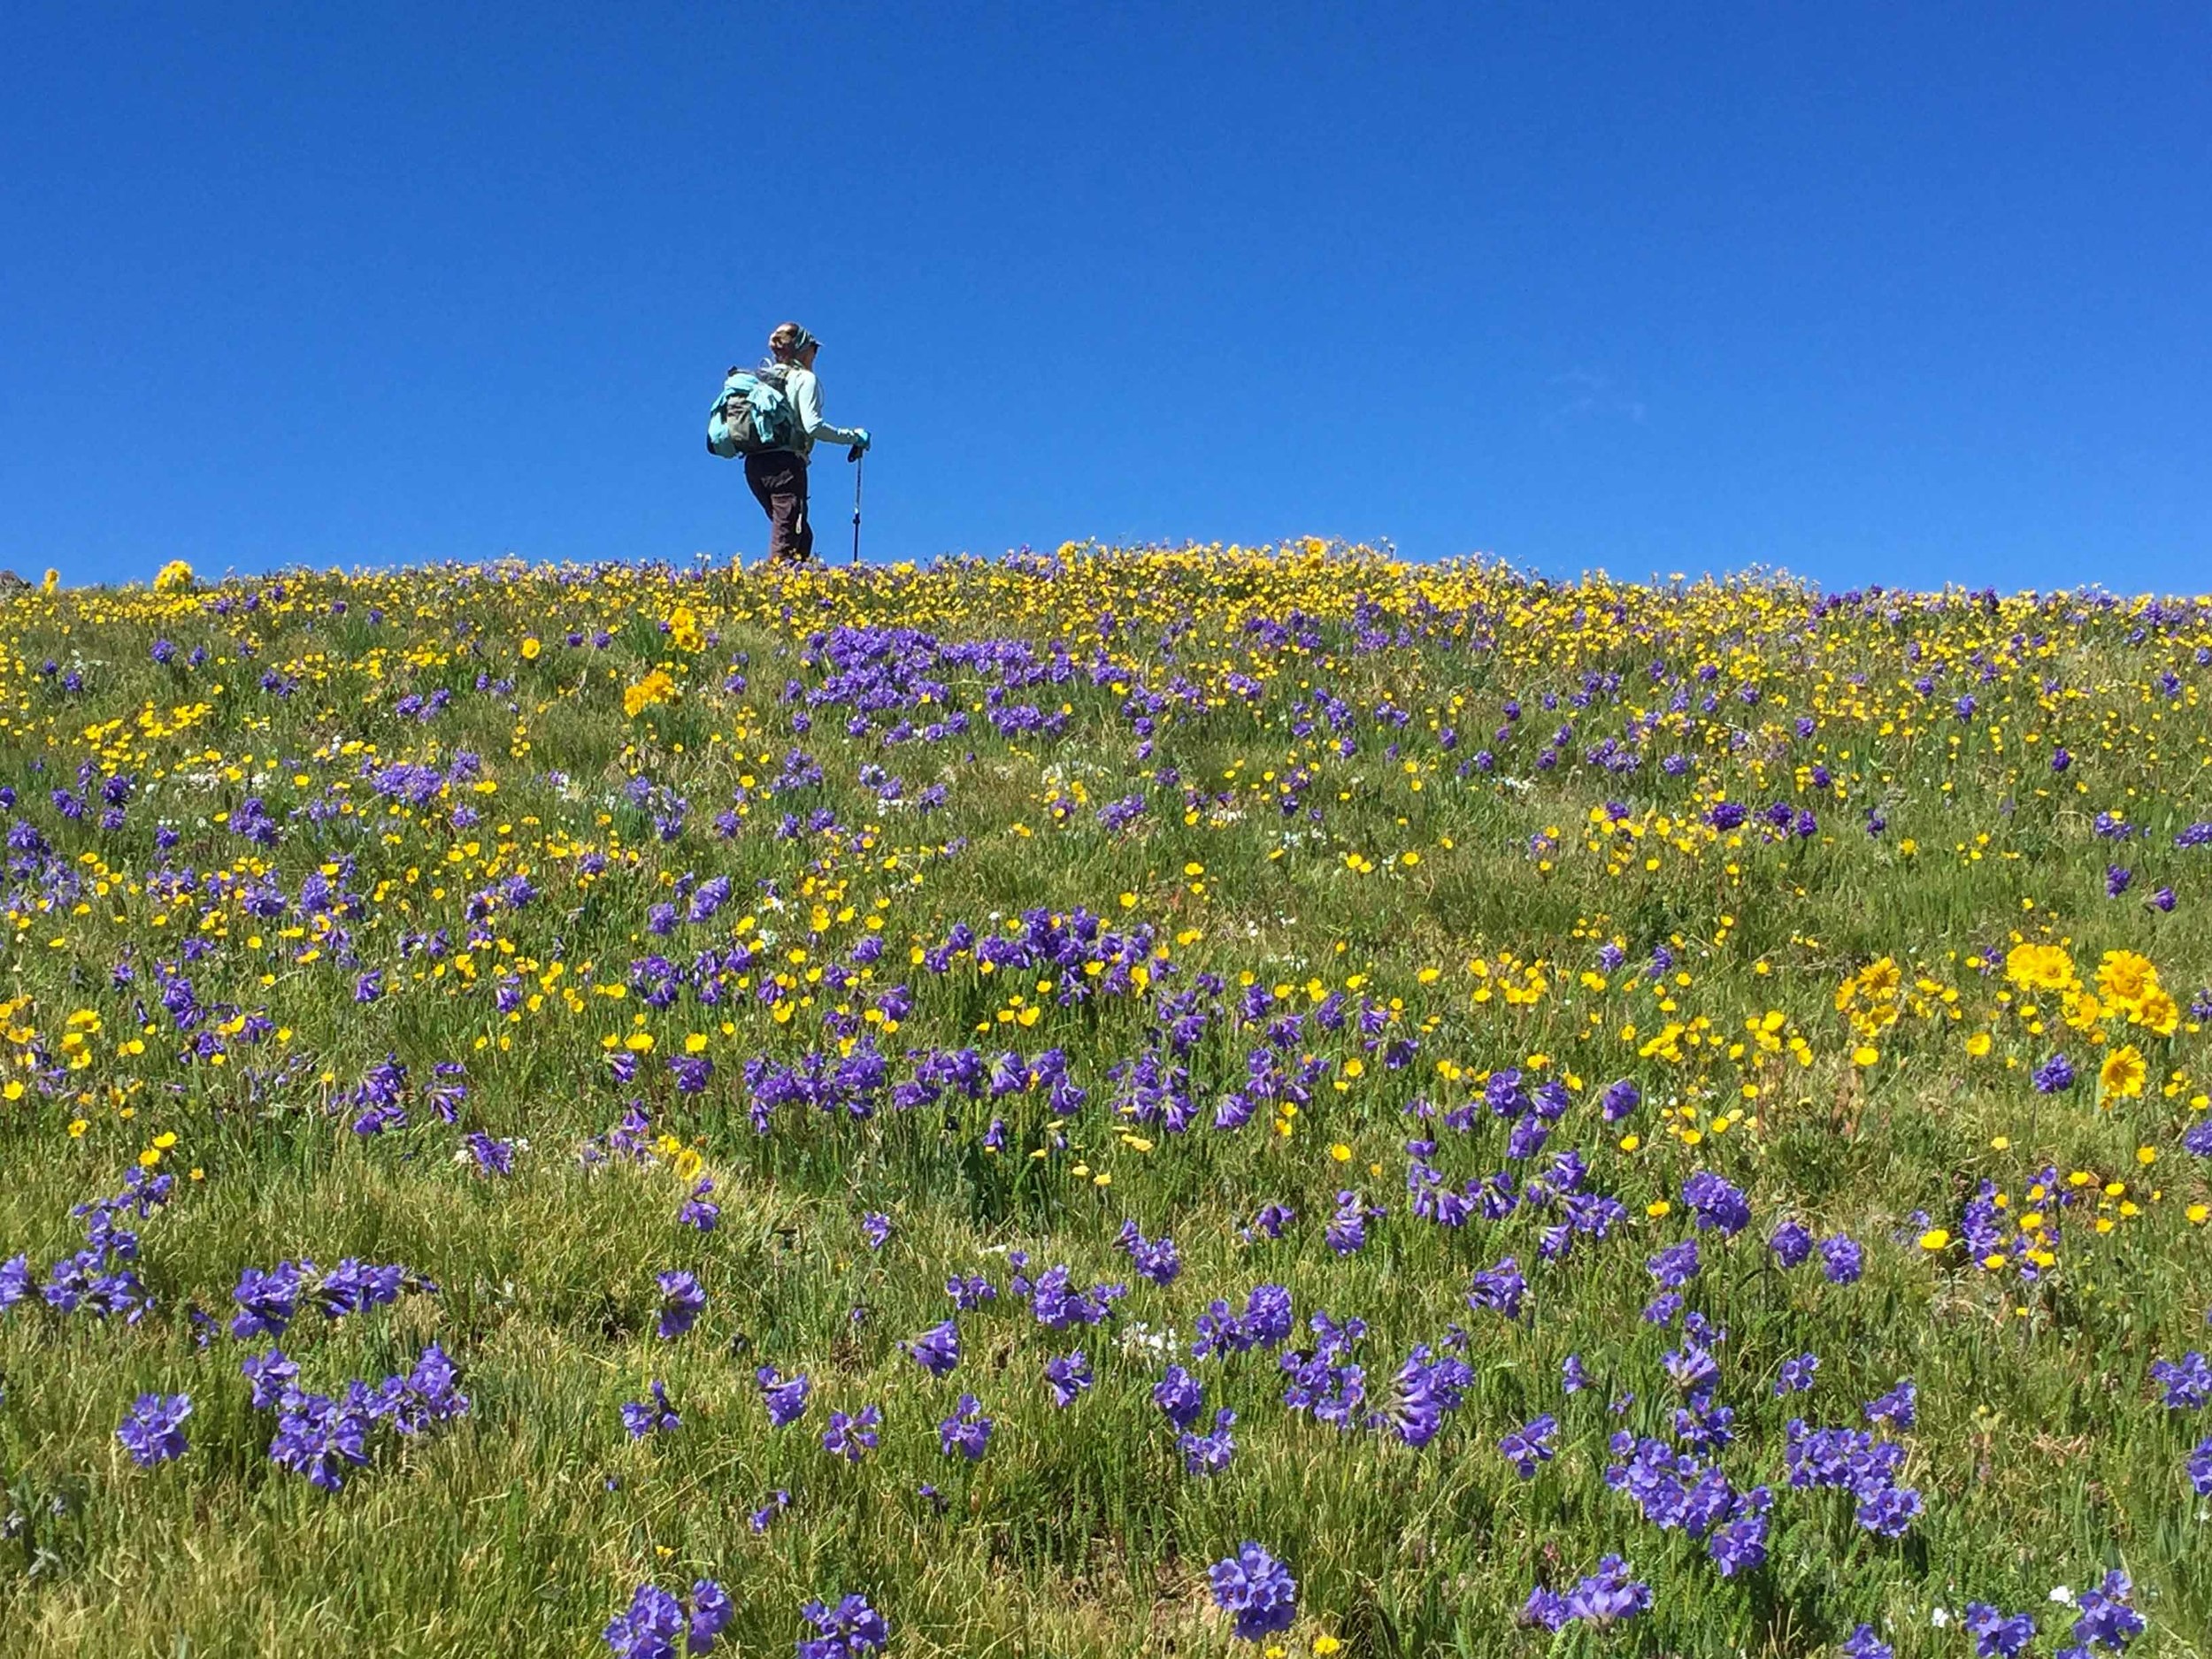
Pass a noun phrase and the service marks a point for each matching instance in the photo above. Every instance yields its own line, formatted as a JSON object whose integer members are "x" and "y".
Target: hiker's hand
{"x": 860, "y": 445}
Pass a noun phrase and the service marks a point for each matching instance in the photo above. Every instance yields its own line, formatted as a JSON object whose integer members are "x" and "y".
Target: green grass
{"x": 2041, "y": 1449}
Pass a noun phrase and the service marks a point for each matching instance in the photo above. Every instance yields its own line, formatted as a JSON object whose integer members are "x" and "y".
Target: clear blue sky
{"x": 1902, "y": 293}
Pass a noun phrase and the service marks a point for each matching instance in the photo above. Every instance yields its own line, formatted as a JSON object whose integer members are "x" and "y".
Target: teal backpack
{"x": 752, "y": 414}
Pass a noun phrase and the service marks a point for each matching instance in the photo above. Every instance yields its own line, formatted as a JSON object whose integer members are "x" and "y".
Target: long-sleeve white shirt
{"x": 803, "y": 389}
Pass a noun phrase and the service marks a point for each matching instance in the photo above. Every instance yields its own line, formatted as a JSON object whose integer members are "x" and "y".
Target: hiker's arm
{"x": 807, "y": 402}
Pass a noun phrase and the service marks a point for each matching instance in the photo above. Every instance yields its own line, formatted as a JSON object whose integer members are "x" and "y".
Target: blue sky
{"x": 1901, "y": 294}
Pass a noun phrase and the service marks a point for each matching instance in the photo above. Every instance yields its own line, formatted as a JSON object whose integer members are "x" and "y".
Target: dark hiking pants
{"x": 778, "y": 478}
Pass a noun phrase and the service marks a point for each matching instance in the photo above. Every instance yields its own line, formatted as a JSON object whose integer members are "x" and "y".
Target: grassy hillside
{"x": 1707, "y": 1074}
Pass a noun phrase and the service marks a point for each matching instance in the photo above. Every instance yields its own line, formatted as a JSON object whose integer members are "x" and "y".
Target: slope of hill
{"x": 1130, "y": 1100}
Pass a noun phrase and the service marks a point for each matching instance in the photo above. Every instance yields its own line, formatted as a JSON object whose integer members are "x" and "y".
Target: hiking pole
{"x": 854, "y": 457}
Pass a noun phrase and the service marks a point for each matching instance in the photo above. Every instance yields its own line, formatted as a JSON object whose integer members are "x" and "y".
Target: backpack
{"x": 752, "y": 414}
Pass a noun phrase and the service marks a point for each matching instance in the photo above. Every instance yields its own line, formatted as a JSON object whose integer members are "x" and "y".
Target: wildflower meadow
{"x": 1199, "y": 1101}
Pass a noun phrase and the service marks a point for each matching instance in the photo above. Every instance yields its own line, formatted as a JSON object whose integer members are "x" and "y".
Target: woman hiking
{"x": 777, "y": 476}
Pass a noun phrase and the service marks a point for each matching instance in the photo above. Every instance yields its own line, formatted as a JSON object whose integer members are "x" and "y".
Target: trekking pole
{"x": 854, "y": 457}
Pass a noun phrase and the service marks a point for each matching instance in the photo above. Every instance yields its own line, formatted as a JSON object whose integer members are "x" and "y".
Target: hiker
{"x": 778, "y": 474}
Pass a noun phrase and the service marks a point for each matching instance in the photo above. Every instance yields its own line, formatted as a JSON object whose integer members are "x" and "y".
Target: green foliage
{"x": 1570, "y": 920}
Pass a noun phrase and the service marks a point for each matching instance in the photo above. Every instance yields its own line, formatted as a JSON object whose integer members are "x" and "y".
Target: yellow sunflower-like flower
{"x": 656, "y": 688}
{"x": 2158, "y": 1011}
{"x": 2040, "y": 967}
{"x": 2126, "y": 978}
{"x": 2123, "y": 1072}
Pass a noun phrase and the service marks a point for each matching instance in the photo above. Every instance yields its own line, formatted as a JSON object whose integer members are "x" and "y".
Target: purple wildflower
{"x": 1500, "y": 1288}
{"x": 1716, "y": 1203}
{"x": 851, "y": 1629}
{"x": 1792, "y": 1242}
{"x": 2106, "y": 1617}
{"x": 2187, "y": 1381}
{"x": 152, "y": 1430}
{"x": 1530, "y": 1445}
{"x": 1154, "y": 1259}
{"x": 1841, "y": 1259}
{"x": 852, "y": 1437}
{"x": 1209, "y": 1454}
{"x": 699, "y": 1210}
{"x": 682, "y": 1302}
{"x": 1676, "y": 1266}
{"x": 786, "y": 1395}
{"x": 1179, "y": 1394}
{"x": 1995, "y": 1636}
{"x": 1257, "y": 1590}
{"x": 1068, "y": 1375}
{"x": 320, "y": 1438}
{"x": 1899, "y": 1408}
{"x": 937, "y": 1350}
{"x": 655, "y": 1415}
{"x": 966, "y": 1431}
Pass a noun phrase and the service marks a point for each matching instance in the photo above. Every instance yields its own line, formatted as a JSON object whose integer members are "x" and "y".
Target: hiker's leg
{"x": 778, "y": 481}
{"x": 760, "y": 479}
{"x": 783, "y": 479}
{"x": 801, "y": 534}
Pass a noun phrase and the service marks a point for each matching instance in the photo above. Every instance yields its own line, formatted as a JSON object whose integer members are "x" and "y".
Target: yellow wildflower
{"x": 2126, "y": 978}
{"x": 2040, "y": 967}
{"x": 2122, "y": 1073}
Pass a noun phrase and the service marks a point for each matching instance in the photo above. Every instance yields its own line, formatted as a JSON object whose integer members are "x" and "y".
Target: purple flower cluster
{"x": 682, "y": 1302}
{"x": 1058, "y": 1303}
{"x": 1857, "y": 1462}
{"x": 1153, "y": 1259}
{"x": 967, "y": 1431}
{"x": 1067, "y": 1375}
{"x": 1530, "y": 1445}
{"x": 937, "y": 1350}
{"x": 641, "y": 1417}
{"x": 1995, "y": 1635}
{"x": 1677, "y": 1491}
{"x": 656, "y": 1622}
{"x": 1324, "y": 1379}
{"x": 1716, "y": 1203}
{"x": 1180, "y": 1395}
{"x": 851, "y": 1629}
{"x": 1264, "y": 1324}
{"x": 1606, "y": 1597}
{"x": 102, "y": 1279}
{"x": 852, "y": 1437}
{"x": 2187, "y": 1381}
{"x": 1500, "y": 1288}
{"x": 786, "y": 1396}
{"x": 1209, "y": 1454}
{"x": 268, "y": 1302}
{"x": 1256, "y": 1591}
{"x": 2107, "y": 1618}
{"x": 152, "y": 1432}
{"x": 1792, "y": 1243}
{"x": 1428, "y": 1388}
{"x": 321, "y": 1436}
